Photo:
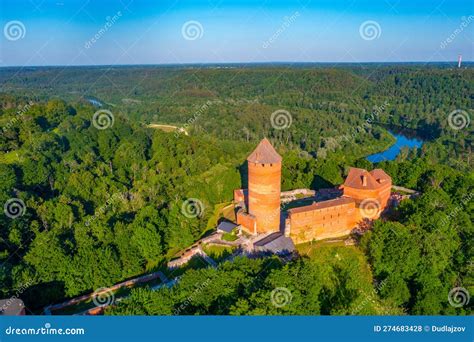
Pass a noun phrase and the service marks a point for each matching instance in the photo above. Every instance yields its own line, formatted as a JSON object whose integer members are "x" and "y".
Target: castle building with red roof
{"x": 364, "y": 196}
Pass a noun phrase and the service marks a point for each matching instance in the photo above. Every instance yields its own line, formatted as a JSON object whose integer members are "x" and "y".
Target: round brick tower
{"x": 264, "y": 183}
{"x": 370, "y": 190}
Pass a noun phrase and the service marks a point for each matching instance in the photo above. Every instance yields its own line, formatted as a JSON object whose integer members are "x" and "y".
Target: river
{"x": 403, "y": 140}
{"x": 94, "y": 102}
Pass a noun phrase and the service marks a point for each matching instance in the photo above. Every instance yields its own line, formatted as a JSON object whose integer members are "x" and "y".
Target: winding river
{"x": 403, "y": 140}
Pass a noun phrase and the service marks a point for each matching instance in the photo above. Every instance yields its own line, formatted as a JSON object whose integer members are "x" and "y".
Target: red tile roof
{"x": 362, "y": 179}
{"x": 322, "y": 205}
{"x": 380, "y": 175}
{"x": 264, "y": 154}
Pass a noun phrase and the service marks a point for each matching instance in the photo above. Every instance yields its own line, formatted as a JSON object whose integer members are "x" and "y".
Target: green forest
{"x": 104, "y": 205}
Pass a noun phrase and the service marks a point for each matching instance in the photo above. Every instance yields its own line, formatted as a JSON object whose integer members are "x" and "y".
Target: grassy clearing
{"x": 167, "y": 128}
{"x": 308, "y": 248}
{"x": 218, "y": 253}
{"x": 322, "y": 251}
{"x": 217, "y": 213}
{"x": 336, "y": 255}
{"x": 229, "y": 237}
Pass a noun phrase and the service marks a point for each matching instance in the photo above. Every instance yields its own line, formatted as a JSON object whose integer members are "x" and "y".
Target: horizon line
{"x": 454, "y": 62}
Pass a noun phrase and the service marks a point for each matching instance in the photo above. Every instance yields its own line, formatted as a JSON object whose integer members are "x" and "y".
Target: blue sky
{"x": 61, "y": 32}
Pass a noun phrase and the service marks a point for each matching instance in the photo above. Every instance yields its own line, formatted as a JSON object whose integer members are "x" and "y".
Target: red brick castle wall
{"x": 365, "y": 196}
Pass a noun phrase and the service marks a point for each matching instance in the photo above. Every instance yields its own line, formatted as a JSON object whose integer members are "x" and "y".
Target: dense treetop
{"x": 105, "y": 205}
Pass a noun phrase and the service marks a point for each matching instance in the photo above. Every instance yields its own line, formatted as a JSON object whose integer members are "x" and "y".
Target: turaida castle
{"x": 364, "y": 195}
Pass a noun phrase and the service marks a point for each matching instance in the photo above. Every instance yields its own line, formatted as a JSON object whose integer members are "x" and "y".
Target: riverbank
{"x": 401, "y": 140}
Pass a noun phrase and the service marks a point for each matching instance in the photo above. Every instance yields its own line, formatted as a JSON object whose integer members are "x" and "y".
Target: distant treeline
{"x": 104, "y": 205}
